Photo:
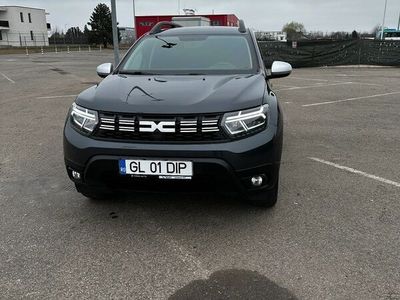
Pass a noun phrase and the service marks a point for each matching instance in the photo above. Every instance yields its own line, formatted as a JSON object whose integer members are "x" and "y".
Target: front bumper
{"x": 224, "y": 166}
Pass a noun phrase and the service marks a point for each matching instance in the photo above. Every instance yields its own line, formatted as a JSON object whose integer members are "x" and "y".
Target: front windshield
{"x": 191, "y": 54}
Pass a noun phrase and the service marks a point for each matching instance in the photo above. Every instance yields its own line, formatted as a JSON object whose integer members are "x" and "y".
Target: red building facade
{"x": 145, "y": 23}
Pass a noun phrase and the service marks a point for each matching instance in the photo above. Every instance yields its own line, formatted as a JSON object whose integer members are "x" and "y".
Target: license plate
{"x": 161, "y": 168}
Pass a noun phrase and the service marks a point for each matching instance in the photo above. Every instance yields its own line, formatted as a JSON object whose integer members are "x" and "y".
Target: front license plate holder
{"x": 163, "y": 169}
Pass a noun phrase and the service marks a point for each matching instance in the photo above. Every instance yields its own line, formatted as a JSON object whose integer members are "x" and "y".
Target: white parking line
{"x": 326, "y": 80}
{"x": 6, "y": 77}
{"x": 60, "y": 96}
{"x": 351, "y": 99}
{"x": 285, "y": 86}
{"x": 313, "y": 79}
{"x": 365, "y": 83}
{"x": 351, "y": 170}
{"x": 314, "y": 86}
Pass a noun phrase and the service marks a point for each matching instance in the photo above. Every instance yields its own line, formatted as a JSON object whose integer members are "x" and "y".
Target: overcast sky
{"x": 324, "y": 15}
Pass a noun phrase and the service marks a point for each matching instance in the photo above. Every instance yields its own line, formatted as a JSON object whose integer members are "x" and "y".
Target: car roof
{"x": 207, "y": 30}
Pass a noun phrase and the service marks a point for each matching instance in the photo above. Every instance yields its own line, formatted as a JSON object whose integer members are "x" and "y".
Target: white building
{"x": 23, "y": 26}
{"x": 272, "y": 35}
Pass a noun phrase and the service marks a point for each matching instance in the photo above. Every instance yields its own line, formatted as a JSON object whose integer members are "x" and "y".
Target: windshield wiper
{"x": 127, "y": 72}
{"x": 167, "y": 45}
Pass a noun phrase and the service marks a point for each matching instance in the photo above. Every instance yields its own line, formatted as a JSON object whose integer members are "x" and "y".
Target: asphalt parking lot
{"x": 334, "y": 233}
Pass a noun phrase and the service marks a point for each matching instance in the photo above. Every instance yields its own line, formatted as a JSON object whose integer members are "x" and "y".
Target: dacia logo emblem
{"x": 162, "y": 126}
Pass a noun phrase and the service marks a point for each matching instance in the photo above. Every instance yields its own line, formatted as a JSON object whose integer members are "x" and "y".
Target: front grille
{"x": 160, "y": 128}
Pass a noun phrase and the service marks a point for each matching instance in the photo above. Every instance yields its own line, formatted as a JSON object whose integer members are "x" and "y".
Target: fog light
{"x": 257, "y": 181}
{"x": 76, "y": 175}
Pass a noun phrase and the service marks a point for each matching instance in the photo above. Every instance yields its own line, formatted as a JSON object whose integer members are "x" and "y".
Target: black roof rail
{"x": 242, "y": 27}
{"x": 160, "y": 25}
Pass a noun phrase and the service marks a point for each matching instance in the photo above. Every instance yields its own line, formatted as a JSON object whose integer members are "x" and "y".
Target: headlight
{"x": 83, "y": 119}
{"x": 245, "y": 121}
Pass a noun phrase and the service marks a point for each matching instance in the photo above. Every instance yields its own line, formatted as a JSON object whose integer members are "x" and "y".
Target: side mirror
{"x": 104, "y": 70}
{"x": 280, "y": 69}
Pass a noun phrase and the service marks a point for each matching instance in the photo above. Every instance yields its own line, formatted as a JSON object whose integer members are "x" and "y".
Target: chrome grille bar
{"x": 126, "y": 129}
{"x": 107, "y": 127}
{"x": 133, "y": 127}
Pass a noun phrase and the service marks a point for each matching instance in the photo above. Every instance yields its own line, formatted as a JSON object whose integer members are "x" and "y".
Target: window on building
{"x": 31, "y": 35}
{"x": 29, "y": 18}
{"x": 1, "y": 37}
{"x": 21, "y": 15}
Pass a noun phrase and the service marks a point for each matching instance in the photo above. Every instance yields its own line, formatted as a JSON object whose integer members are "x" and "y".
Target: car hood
{"x": 175, "y": 94}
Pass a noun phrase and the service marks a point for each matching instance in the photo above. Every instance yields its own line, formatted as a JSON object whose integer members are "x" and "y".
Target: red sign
{"x": 145, "y": 23}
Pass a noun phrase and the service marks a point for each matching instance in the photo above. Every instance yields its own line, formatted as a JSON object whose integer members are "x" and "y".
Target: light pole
{"x": 383, "y": 22}
{"x": 134, "y": 20}
{"x": 115, "y": 31}
{"x": 398, "y": 24}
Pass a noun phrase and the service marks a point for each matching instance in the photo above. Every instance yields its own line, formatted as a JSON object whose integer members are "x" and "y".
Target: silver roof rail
{"x": 159, "y": 27}
{"x": 242, "y": 27}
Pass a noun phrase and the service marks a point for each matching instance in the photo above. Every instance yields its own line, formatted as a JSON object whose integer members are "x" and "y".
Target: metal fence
{"x": 52, "y": 49}
{"x": 302, "y": 54}
{"x": 68, "y": 40}
{"x": 39, "y": 39}
{"x": 333, "y": 53}
{"x": 39, "y": 42}
{"x": 23, "y": 39}
{"x": 34, "y": 39}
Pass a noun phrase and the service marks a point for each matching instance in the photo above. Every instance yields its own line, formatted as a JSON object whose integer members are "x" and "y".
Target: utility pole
{"x": 179, "y": 7}
{"x": 398, "y": 24}
{"x": 134, "y": 21}
{"x": 115, "y": 32}
{"x": 383, "y": 22}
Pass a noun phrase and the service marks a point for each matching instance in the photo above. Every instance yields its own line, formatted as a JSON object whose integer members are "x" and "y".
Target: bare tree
{"x": 294, "y": 30}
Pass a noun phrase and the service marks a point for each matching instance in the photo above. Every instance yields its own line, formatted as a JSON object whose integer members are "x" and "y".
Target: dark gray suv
{"x": 186, "y": 109}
